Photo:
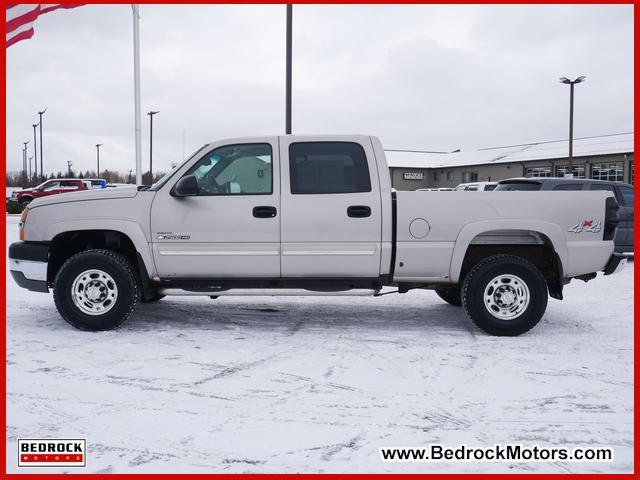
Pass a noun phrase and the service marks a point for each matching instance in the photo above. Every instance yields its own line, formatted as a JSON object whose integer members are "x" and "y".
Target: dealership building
{"x": 603, "y": 157}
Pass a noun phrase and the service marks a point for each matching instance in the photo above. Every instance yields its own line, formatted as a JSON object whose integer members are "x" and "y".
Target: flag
{"x": 20, "y": 18}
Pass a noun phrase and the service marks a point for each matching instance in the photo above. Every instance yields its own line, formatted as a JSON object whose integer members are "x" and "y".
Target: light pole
{"x": 151, "y": 114}
{"x": 35, "y": 151}
{"x": 69, "y": 163}
{"x": 25, "y": 159}
{"x": 288, "y": 69}
{"x": 30, "y": 176}
{"x": 98, "y": 145}
{"x": 40, "y": 123}
{"x": 571, "y": 83}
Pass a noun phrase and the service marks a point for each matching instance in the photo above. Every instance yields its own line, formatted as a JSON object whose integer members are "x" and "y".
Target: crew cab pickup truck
{"x": 309, "y": 215}
{"x": 50, "y": 187}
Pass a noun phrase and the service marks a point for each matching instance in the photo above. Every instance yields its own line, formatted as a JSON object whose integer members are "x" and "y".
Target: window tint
{"x": 244, "y": 169}
{"x": 68, "y": 184}
{"x": 328, "y": 167}
{"x": 568, "y": 186}
{"x": 600, "y": 186}
{"x": 472, "y": 188}
{"x": 489, "y": 188}
{"x": 51, "y": 186}
{"x": 519, "y": 186}
{"x": 627, "y": 196}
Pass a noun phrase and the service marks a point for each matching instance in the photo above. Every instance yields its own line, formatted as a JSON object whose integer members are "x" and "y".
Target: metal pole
{"x": 30, "y": 175}
{"x": 35, "y": 151}
{"x": 571, "y": 130}
{"x": 41, "y": 156}
{"x": 26, "y": 169}
{"x": 24, "y": 161}
{"x": 98, "y": 145}
{"x": 136, "y": 92}
{"x": 288, "y": 68}
{"x": 150, "y": 148}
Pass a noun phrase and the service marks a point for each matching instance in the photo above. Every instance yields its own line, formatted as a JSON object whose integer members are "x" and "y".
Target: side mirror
{"x": 187, "y": 186}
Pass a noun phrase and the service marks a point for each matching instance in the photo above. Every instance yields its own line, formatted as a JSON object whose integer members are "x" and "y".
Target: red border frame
{"x": 636, "y": 336}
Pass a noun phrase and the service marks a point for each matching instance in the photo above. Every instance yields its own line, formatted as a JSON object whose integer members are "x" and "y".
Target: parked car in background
{"x": 476, "y": 187}
{"x": 441, "y": 189}
{"x": 95, "y": 183}
{"x": 622, "y": 191}
{"x": 50, "y": 187}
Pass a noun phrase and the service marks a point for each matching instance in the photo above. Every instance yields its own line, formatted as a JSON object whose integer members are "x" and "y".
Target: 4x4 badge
{"x": 586, "y": 226}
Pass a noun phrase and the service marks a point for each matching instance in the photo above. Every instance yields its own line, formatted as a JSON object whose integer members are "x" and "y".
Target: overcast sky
{"x": 419, "y": 77}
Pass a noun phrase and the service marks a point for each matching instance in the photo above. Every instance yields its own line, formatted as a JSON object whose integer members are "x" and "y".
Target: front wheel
{"x": 96, "y": 290}
{"x": 505, "y": 295}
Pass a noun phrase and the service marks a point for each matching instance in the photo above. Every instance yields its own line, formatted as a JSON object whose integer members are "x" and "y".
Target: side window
{"x": 328, "y": 167}
{"x": 490, "y": 188}
{"x": 244, "y": 169}
{"x": 627, "y": 196}
{"x": 51, "y": 186}
{"x": 601, "y": 186}
{"x": 68, "y": 185}
{"x": 472, "y": 188}
{"x": 568, "y": 186}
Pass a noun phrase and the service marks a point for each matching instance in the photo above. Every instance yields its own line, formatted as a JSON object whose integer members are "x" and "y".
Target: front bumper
{"x": 28, "y": 263}
{"x": 615, "y": 264}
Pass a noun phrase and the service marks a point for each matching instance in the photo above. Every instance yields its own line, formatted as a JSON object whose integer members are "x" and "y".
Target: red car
{"x": 50, "y": 187}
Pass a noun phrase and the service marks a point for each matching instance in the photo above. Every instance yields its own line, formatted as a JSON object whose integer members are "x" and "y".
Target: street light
{"x": 571, "y": 83}
{"x": 24, "y": 158}
{"x": 35, "y": 151}
{"x": 69, "y": 163}
{"x": 40, "y": 123}
{"x": 151, "y": 114}
{"x": 98, "y": 145}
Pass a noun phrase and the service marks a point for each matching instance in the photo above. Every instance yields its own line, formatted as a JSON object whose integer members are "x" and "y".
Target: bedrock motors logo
{"x": 52, "y": 452}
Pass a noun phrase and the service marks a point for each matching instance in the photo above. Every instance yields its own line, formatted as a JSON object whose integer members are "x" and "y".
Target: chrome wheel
{"x": 94, "y": 292}
{"x": 506, "y": 297}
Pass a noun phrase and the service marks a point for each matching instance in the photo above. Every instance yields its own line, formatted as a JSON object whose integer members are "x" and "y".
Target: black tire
{"x": 153, "y": 299}
{"x": 485, "y": 311}
{"x": 452, "y": 296}
{"x": 24, "y": 201}
{"x": 113, "y": 267}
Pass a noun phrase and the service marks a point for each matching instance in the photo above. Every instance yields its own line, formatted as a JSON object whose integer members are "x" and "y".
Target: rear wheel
{"x": 451, "y": 295}
{"x": 96, "y": 290}
{"x": 505, "y": 295}
{"x": 24, "y": 201}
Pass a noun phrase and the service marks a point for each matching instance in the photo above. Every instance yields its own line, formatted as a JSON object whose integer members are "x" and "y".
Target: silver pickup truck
{"x": 309, "y": 215}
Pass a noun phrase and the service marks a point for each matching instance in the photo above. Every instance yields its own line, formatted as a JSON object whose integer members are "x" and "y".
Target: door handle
{"x": 264, "y": 212}
{"x": 359, "y": 211}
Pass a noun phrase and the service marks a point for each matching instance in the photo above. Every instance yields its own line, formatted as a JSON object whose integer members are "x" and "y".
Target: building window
{"x": 469, "y": 177}
{"x": 537, "y": 172}
{"x": 577, "y": 170}
{"x": 450, "y": 173}
{"x": 613, "y": 172}
{"x": 631, "y": 172}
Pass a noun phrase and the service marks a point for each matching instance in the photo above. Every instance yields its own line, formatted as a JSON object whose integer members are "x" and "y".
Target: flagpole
{"x": 136, "y": 89}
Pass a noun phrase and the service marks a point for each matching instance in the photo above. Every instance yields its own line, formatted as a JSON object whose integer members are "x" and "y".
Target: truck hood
{"x": 98, "y": 194}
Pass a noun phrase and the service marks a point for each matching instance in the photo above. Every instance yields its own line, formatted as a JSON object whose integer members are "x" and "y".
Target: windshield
{"x": 156, "y": 186}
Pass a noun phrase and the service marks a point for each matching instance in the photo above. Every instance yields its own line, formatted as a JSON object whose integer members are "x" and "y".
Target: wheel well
{"x": 67, "y": 244}
{"x": 530, "y": 245}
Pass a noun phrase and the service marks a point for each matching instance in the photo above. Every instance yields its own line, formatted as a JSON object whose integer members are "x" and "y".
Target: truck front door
{"x": 231, "y": 228}
{"x": 331, "y": 208}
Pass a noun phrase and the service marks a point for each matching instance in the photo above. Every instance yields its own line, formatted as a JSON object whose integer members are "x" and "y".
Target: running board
{"x": 270, "y": 292}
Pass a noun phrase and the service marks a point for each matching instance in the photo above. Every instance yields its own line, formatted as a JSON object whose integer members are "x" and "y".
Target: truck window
{"x": 244, "y": 169}
{"x": 568, "y": 186}
{"x": 51, "y": 186}
{"x": 627, "y": 196}
{"x": 328, "y": 167}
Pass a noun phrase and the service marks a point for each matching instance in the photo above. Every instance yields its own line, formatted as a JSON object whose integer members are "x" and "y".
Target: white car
{"x": 476, "y": 187}
{"x": 309, "y": 215}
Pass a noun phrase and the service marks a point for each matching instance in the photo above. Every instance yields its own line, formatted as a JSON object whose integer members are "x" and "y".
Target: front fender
{"x": 471, "y": 230}
{"x": 129, "y": 228}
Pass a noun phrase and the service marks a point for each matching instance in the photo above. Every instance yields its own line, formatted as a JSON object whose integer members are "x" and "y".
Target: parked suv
{"x": 50, "y": 187}
{"x": 622, "y": 191}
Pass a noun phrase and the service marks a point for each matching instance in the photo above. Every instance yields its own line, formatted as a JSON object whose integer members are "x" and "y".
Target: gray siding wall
{"x": 453, "y": 176}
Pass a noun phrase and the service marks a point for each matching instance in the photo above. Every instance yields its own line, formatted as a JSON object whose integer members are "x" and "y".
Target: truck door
{"x": 231, "y": 228}
{"x": 331, "y": 208}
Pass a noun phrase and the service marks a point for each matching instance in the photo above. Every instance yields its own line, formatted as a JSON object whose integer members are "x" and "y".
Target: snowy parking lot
{"x": 319, "y": 384}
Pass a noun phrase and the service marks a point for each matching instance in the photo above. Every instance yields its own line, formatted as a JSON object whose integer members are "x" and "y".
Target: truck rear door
{"x": 331, "y": 208}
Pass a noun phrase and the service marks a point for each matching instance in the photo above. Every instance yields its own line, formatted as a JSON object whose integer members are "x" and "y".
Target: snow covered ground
{"x": 319, "y": 384}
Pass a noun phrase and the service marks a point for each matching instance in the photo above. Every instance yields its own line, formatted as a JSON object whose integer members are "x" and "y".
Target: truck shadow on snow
{"x": 293, "y": 316}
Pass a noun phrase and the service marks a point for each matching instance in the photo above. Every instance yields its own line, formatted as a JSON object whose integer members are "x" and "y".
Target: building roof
{"x": 582, "y": 147}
